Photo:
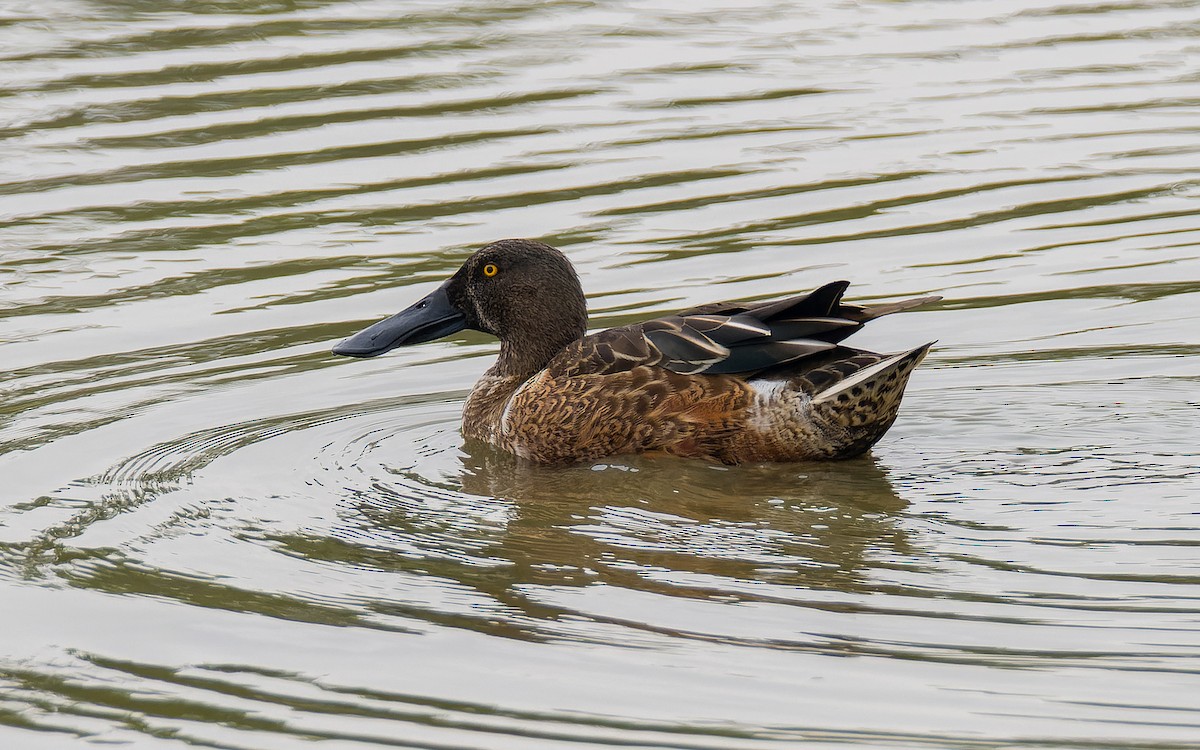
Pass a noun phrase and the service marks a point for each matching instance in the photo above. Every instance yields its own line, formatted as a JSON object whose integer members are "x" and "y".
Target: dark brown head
{"x": 524, "y": 292}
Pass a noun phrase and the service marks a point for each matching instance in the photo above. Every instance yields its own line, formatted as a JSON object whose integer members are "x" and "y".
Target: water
{"x": 215, "y": 533}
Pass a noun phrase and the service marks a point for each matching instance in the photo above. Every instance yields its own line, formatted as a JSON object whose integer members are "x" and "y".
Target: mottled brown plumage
{"x": 728, "y": 381}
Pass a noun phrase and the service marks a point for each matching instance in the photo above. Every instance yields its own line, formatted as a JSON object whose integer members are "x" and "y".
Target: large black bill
{"x": 429, "y": 319}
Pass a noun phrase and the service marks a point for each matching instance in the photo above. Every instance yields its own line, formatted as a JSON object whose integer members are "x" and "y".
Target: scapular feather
{"x": 760, "y": 357}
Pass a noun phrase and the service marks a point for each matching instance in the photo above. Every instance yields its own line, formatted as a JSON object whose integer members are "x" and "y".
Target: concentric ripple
{"x": 214, "y": 533}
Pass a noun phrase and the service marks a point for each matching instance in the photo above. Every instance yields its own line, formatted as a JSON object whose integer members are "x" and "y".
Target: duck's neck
{"x": 523, "y": 356}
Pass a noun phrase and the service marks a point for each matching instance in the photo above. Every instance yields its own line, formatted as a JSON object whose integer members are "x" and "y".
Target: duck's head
{"x": 524, "y": 292}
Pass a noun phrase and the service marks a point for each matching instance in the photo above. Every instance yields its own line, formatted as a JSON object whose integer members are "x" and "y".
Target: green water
{"x": 215, "y": 533}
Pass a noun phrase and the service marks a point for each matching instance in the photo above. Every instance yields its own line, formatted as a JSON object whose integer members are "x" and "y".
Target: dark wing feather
{"x": 727, "y": 337}
{"x": 681, "y": 347}
{"x": 730, "y": 329}
{"x": 820, "y": 302}
{"x": 755, "y": 358}
{"x": 812, "y": 327}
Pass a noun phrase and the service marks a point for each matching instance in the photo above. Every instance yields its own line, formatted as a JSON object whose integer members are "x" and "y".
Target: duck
{"x": 727, "y": 382}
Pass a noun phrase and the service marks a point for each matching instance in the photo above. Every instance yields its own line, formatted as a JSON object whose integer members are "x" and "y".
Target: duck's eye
{"x": 490, "y": 270}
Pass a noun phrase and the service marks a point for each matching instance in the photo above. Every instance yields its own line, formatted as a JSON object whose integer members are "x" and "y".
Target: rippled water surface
{"x": 214, "y": 533}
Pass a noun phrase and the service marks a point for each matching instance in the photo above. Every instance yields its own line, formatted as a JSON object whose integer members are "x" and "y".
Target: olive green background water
{"x": 214, "y": 533}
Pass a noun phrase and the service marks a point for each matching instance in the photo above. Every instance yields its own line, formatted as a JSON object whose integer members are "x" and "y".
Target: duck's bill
{"x": 431, "y": 318}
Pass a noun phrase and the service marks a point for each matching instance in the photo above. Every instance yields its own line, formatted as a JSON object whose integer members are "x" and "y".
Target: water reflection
{"x": 801, "y": 525}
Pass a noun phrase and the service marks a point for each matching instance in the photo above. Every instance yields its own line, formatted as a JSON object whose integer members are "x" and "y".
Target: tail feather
{"x": 864, "y": 404}
{"x": 863, "y": 314}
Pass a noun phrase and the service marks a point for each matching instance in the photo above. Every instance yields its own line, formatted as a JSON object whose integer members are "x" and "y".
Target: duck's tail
{"x": 862, "y": 405}
{"x": 863, "y": 314}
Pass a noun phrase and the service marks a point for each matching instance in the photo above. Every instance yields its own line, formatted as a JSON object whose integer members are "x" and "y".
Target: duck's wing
{"x": 727, "y": 337}
{"x": 819, "y": 302}
{"x": 826, "y": 301}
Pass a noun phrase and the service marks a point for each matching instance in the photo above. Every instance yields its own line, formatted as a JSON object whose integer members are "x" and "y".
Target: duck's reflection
{"x": 813, "y": 525}
{"x": 511, "y": 533}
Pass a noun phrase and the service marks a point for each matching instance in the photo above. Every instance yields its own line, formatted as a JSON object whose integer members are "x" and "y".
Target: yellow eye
{"x": 490, "y": 270}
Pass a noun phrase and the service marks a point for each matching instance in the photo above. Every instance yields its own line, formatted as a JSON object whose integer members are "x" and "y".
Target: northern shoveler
{"x": 728, "y": 381}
